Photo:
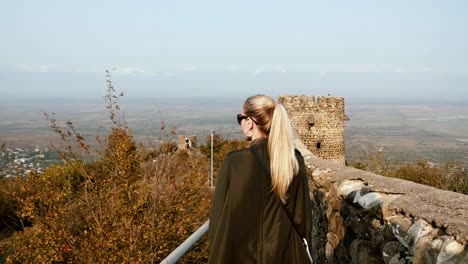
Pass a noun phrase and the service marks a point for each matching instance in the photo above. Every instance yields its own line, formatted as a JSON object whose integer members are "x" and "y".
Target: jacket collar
{"x": 259, "y": 141}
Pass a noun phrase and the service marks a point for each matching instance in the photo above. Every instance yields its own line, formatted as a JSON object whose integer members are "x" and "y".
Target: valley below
{"x": 403, "y": 132}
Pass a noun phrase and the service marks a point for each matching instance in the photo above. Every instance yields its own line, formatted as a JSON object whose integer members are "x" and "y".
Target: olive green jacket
{"x": 247, "y": 221}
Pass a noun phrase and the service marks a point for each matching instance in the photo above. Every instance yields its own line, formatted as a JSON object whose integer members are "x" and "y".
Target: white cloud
{"x": 258, "y": 71}
{"x": 322, "y": 70}
{"x": 270, "y": 69}
{"x": 190, "y": 68}
{"x": 378, "y": 68}
{"x": 169, "y": 74}
{"x": 133, "y": 71}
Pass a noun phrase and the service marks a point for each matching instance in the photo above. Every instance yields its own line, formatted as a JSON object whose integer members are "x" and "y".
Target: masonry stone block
{"x": 387, "y": 232}
{"x": 333, "y": 239}
{"x": 376, "y": 237}
{"x": 361, "y": 251}
{"x": 359, "y": 226}
{"x": 452, "y": 252}
{"x": 336, "y": 224}
{"x": 425, "y": 252}
{"x": 419, "y": 229}
{"x": 349, "y": 186}
{"x": 333, "y": 199}
{"x": 369, "y": 200}
{"x": 330, "y": 253}
{"x": 400, "y": 226}
{"x": 391, "y": 249}
{"x": 400, "y": 259}
{"x": 323, "y": 182}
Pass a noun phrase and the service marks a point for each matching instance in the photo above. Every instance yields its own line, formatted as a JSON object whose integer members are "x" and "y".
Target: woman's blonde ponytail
{"x": 283, "y": 162}
{"x": 273, "y": 120}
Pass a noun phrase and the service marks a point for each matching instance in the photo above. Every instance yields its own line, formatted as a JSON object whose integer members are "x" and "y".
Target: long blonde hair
{"x": 272, "y": 119}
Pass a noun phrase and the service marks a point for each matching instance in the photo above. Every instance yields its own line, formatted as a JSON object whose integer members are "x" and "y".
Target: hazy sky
{"x": 359, "y": 49}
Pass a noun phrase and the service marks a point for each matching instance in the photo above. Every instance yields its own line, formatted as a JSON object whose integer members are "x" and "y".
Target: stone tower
{"x": 320, "y": 124}
{"x": 187, "y": 142}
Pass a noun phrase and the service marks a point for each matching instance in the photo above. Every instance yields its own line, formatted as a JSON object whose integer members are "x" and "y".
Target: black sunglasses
{"x": 240, "y": 117}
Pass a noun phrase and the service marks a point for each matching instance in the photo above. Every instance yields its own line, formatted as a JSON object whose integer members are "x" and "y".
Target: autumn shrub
{"x": 168, "y": 147}
{"x": 143, "y": 223}
{"x": 8, "y": 206}
{"x": 148, "y": 220}
{"x": 116, "y": 207}
{"x": 450, "y": 176}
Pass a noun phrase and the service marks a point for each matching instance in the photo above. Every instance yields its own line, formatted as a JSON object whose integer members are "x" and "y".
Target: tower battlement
{"x": 319, "y": 120}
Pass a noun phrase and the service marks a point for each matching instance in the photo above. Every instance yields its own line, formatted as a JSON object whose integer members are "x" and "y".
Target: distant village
{"x": 24, "y": 161}
{"x": 20, "y": 162}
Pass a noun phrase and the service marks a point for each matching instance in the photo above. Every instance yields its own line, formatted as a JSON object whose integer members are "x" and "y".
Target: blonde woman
{"x": 261, "y": 210}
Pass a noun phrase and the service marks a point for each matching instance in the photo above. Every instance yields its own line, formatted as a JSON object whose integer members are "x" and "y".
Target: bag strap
{"x": 267, "y": 173}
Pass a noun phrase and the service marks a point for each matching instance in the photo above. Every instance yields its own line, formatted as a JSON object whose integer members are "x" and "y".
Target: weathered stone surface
{"x": 330, "y": 253}
{"x": 329, "y": 213}
{"x": 400, "y": 226}
{"x": 349, "y": 186}
{"x": 377, "y": 239}
{"x": 322, "y": 182}
{"x": 361, "y": 252}
{"x": 391, "y": 249}
{"x": 332, "y": 239}
{"x": 460, "y": 258}
{"x": 425, "y": 252}
{"x": 452, "y": 252}
{"x": 316, "y": 172}
{"x": 387, "y": 232}
{"x": 333, "y": 198}
{"x": 419, "y": 229}
{"x": 358, "y": 225}
{"x": 369, "y": 200}
{"x": 320, "y": 123}
{"x": 398, "y": 259}
{"x": 336, "y": 224}
{"x": 430, "y": 225}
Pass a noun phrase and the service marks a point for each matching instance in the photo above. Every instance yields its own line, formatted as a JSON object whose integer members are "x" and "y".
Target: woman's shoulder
{"x": 239, "y": 153}
{"x": 238, "y": 157}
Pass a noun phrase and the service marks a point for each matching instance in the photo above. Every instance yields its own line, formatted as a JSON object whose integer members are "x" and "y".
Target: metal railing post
{"x": 211, "y": 168}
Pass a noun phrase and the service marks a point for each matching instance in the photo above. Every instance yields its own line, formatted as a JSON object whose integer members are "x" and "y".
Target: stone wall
{"x": 361, "y": 217}
{"x": 320, "y": 123}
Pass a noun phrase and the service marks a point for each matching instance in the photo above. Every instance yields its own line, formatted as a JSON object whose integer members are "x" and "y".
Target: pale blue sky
{"x": 358, "y": 49}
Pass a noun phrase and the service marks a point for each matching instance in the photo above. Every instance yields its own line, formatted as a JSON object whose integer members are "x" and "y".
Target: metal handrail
{"x": 186, "y": 245}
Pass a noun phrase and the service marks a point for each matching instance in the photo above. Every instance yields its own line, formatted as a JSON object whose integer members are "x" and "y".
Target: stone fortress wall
{"x": 361, "y": 217}
{"x": 320, "y": 123}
